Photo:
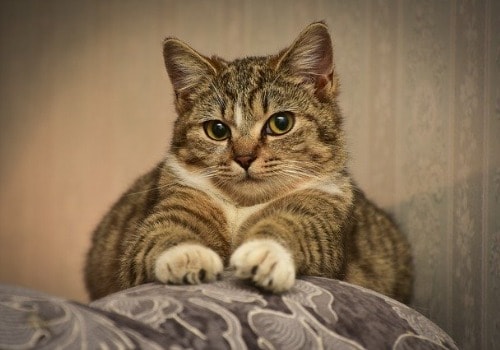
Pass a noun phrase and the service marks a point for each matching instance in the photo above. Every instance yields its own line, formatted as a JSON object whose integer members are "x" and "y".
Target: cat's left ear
{"x": 310, "y": 60}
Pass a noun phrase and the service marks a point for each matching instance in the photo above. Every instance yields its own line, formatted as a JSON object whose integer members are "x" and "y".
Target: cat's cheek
{"x": 188, "y": 263}
{"x": 267, "y": 263}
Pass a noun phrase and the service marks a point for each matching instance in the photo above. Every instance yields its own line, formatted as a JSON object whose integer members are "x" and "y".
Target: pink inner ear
{"x": 323, "y": 80}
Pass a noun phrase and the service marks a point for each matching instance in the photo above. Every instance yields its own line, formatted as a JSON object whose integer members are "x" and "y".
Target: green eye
{"x": 216, "y": 130}
{"x": 280, "y": 123}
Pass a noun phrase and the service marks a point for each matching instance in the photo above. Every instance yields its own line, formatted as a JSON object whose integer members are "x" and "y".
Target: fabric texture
{"x": 228, "y": 314}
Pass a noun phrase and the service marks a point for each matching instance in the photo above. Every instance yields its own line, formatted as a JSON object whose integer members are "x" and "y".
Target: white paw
{"x": 188, "y": 263}
{"x": 267, "y": 263}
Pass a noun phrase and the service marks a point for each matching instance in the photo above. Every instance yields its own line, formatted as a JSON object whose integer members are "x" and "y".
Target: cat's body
{"x": 255, "y": 179}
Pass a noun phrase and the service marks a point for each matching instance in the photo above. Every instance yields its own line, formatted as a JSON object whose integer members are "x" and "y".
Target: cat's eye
{"x": 280, "y": 123}
{"x": 216, "y": 130}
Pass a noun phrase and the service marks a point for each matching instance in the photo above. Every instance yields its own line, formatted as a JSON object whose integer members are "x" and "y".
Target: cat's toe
{"x": 267, "y": 263}
{"x": 188, "y": 264}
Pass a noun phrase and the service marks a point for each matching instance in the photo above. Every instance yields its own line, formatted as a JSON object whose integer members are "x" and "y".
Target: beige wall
{"x": 85, "y": 107}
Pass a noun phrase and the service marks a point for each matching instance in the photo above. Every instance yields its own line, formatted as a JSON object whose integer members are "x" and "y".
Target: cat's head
{"x": 259, "y": 126}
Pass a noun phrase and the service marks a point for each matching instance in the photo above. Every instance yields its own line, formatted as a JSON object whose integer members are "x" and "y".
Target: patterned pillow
{"x": 229, "y": 314}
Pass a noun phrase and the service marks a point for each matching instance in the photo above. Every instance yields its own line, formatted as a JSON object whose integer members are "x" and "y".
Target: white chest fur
{"x": 235, "y": 216}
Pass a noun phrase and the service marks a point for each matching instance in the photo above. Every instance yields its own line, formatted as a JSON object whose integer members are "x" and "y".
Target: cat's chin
{"x": 251, "y": 190}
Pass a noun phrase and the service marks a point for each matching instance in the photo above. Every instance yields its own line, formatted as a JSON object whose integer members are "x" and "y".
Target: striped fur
{"x": 271, "y": 206}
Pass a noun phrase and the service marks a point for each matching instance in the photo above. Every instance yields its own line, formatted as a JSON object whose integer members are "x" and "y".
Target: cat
{"x": 255, "y": 179}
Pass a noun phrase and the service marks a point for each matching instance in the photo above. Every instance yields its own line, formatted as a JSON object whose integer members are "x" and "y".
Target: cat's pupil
{"x": 281, "y": 122}
{"x": 219, "y": 130}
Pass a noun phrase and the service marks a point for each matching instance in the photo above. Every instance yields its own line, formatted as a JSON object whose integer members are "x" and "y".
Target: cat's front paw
{"x": 188, "y": 263}
{"x": 267, "y": 263}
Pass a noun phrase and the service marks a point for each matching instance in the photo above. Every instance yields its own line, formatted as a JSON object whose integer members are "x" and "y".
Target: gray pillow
{"x": 316, "y": 313}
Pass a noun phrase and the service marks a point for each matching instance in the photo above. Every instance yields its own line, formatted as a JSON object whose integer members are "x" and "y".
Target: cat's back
{"x": 379, "y": 254}
{"x": 109, "y": 237}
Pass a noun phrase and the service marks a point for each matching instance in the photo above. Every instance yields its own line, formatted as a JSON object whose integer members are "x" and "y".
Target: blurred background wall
{"x": 86, "y": 107}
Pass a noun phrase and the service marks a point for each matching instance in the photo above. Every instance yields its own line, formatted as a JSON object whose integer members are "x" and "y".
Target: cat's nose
{"x": 244, "y": 161}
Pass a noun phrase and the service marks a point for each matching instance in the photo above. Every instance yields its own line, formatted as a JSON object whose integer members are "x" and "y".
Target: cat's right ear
{"x": 185, "y": 67}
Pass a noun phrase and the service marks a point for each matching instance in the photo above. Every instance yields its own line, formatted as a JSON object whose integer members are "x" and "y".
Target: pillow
{"x": 228, "y": 314}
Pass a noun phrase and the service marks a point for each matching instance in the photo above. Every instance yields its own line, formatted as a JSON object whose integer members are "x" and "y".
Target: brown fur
{"x": 305, "y": 198}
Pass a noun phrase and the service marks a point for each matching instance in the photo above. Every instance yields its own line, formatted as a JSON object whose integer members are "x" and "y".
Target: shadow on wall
{"x": 456, "y": 253}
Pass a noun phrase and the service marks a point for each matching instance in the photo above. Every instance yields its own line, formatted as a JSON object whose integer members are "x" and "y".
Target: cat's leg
{"x": 302, "y": 233}
{"x": 182, "y": 241}
{"x": 188, "y": 263}
{"x": 266, "y": 262}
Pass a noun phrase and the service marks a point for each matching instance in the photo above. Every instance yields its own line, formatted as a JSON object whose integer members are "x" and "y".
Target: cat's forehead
{"x": 239, "y": 90}
{"x": 243, "y": 75}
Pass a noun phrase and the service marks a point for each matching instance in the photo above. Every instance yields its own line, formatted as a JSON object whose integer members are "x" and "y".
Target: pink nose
{"x": 244, "y": 161}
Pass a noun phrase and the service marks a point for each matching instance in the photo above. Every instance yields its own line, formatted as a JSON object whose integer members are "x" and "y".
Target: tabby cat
{"x": 255, "y": 180}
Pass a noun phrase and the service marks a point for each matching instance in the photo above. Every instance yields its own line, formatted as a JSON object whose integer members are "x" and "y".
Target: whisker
{"x": 150, "y": 190}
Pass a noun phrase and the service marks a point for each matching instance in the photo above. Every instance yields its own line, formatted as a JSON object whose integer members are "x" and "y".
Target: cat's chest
{"x": 235, "y": 216}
